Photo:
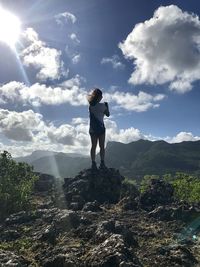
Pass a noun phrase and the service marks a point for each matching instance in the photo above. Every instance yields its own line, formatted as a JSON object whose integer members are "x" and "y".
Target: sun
{"x": 10, "y": 27}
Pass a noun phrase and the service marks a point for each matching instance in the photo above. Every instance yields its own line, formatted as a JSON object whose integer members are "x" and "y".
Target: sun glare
{"x": 9, "y": 27}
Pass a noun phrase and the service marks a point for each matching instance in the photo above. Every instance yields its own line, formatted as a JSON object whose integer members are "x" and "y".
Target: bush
{"x": 146, "y": 181}
{"x": 16, "y": 184}
{"x": 186, "y": 187}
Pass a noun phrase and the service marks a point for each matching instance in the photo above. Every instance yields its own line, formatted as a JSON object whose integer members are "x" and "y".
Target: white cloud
{"x": 139, "y": 103}
{"x": 79, "y": 120}
{"x": 184, "y": 136}
{"x": 114, "y": 61}
{"x": 65, "y": 134}
{"x": 65, "y": 17}
{"x": 28, "y": 126}
{"x": 37, "y": 94}
{"x": 43, "y": 58}
{"x": 72, "y": 54}
{"x": 74, "y": 38}
{"x": 113, "y": 133}
{"x": 70, "y": 91}
{"x": 20, "y": 126}
{"x": 165, "y": 48}
{"x": 76, "y": 58}
{"x": 28, "y": 132}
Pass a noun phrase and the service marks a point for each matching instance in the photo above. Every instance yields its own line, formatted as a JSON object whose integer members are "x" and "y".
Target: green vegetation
{"x": 186, "y": 186}
{"x": 145, "y": 182}
{"x": 16, "y": 184}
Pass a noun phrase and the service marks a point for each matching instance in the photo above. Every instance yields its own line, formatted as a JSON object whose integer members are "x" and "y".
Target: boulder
{"x": 104, "y": 186}
{"x": 92, "y": 206}
{"x": 10, "y": 259}
{"x": 181, "y": 212}
{"x": 112, "y": 252}
{"x": 177, "y": 255}
{"x": 44, "y": 183}
{"x": 157, "y": 193}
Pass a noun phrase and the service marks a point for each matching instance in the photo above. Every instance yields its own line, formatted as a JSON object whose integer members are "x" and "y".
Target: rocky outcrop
{"x": 158, "y": 192}
{"x": 104, "y": 223}
{"x": 104, "y": 186}
{"x": 8, "y": 258}
{"x": 112, "y": 252}
{"x": 178, "y": 211}
{"x": 44, "y": 183}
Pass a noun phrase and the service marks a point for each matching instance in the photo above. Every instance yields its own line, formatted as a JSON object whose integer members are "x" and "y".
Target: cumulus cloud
{"x": 139, "y": 103}
{"x": 65, "y": 134}
{"x": 114, "y": 61}
{"x": 69, "y": 91}
{"x": 184, "y": 136}
{"x": 165, "y": 48}
{"x": 43, "y": 58}
{"x": 113, "y": 133}
{"x": 27, "y": 132}
{"x": 65, "y": 17}
{"x": 20, "y": 126}
{"x": 30, "y": 126}
{"x": 74, "y": 137}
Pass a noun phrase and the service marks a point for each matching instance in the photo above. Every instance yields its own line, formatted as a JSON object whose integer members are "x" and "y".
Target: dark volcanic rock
{"x": 44, "y": 183}
{"x": 92, "y": 206}
{"x": 102, "y": 186}
{"x": 112, "y": 252}
{"x": 128, "y": 203}
{"x": 178, "y": 255}
{"x": 9, "y": 259}
{"x": 158, "y": 192}
{"x": 20, "y": 217}
{"x": 175, "y": 212}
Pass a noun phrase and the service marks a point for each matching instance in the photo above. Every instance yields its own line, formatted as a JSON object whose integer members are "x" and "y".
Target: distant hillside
{"x": 133, "y": 160}
{"x": 56, "y": 163}
{"x": 159, "y": 157}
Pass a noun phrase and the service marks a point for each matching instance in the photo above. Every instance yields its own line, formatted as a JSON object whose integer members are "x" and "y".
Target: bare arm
{"x": 107, "y": 112}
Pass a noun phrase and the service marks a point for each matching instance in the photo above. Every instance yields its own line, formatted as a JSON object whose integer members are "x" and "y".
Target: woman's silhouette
{"x": 97, "y": 128}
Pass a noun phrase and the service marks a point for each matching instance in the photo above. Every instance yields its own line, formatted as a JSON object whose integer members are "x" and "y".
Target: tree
{"x": 16, "y": 184}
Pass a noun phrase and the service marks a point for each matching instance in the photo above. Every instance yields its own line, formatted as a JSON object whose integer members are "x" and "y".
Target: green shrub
{"x": 145, "y": 182}
{"x": 16, "y": 184}
{"x": 186, "y": 187}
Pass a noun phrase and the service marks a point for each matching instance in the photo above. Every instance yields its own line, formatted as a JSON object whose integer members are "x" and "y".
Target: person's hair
{"x": 94, "y": 96}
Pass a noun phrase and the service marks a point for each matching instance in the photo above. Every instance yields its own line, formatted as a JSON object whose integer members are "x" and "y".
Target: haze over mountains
{"x": 133, "y": 160}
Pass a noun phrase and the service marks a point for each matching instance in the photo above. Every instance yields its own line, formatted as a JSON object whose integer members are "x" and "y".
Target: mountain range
{"x": 134, "y": 159}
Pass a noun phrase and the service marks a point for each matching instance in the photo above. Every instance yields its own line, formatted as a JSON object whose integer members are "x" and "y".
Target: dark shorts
{"x": 97, "y": 134}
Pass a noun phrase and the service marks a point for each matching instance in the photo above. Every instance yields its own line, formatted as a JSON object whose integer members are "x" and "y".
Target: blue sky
{"x": 144, "y": 55}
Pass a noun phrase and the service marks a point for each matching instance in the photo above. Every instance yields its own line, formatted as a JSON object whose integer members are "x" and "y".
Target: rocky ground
{"x": 97, "y": 219}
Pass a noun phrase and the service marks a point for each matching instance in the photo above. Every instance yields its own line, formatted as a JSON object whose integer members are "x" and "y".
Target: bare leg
{"x": 102, "y": 146}
{"x": 93, "y": 148}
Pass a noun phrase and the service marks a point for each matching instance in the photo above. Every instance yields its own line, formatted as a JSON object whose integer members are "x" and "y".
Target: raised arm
{"x": 107, "y": 112}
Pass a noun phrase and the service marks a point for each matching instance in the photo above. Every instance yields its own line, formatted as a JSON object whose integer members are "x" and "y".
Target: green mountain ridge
{"x": 134, "y": 159}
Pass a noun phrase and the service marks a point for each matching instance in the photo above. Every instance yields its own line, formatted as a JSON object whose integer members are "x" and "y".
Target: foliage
{"x": 129, "y": 181}
{"x": 145, "y": 182}
{"x": 186, "y": 187}
{"x": 16, "y": 184}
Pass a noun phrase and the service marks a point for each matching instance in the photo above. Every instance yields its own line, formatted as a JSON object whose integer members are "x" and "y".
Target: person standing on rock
{"x": 97, "y": 128}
